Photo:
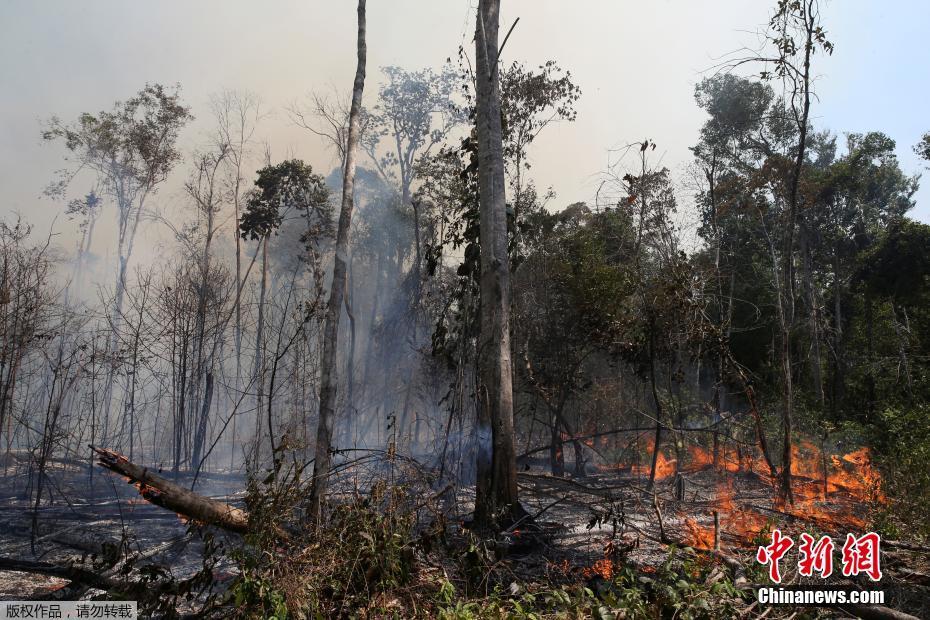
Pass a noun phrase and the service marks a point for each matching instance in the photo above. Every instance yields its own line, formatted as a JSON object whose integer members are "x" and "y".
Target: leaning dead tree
{"x": 329, "y": 375}
{"x": 162, "y": 492}
{"x": 496, "y": 489}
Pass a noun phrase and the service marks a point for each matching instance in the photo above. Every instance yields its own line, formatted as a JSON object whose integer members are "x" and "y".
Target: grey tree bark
{"x": 496, "y": 490}
{"x": 328, "y": 365}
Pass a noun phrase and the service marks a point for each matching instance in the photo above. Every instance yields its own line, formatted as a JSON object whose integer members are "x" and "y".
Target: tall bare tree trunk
{"x": 556, "y": 447}
{"x": 496, "y": 491}
{"x": 350, "y": 362}
{"x": 786, "y": 299}
{"x": 838, "y": 392}
{"x": 328, "y": 369}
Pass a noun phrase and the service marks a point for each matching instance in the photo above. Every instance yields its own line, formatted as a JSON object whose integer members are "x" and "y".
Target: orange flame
{"x": 665, "y": 467}
{"x": 828, "y": 489}
{"x": 603, "y": 568}
{"x": 698, "y": 535}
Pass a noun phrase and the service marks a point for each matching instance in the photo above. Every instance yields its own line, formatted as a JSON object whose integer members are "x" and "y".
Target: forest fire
{"x": 665, "y": 467}
{"x": 444, "y": 350}
{"x": 828, "y": 490}
{"x": 698, "y": 536}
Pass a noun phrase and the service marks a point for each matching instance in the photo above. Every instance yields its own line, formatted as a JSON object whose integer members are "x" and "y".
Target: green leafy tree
{"x": 922, "y": 148}
{"x": 280, "y": 189}
{"x": 131, "y": 149}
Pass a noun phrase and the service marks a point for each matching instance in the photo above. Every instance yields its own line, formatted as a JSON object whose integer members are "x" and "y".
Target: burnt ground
{"x": 582, "y": 527}
{"x": 89, "y": 524}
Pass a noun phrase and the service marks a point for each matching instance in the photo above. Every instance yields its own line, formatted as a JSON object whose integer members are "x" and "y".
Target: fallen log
{"x": 875, "y": 612}
{"x": 73, "y": 573}
{"x": 162, "y": 492}
{"x": 897, "y": 544}
{"x": 78, "y": 588}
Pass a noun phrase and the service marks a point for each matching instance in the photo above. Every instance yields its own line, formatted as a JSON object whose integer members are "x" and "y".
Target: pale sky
{"x": 636, "y": 62}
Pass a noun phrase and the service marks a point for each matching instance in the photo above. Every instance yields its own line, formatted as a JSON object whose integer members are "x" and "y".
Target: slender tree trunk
{"x": 496, "y": 491}
{"x": 202, "y": 364}
{"x": 129, "y": 226}
{"x": 258, "y": 373}
{"x": 870, "y": 355}
{"x": 556, "y": 447}
{"x": 131, "y": 399}
{"x": 329, "y": 372}
{"x": 786, "y": 299}
{"x": 181, "y": 415}
{"x": 200, "y": 437}
{"x": 350, "y": 362}
{"x": 838, "y": 357}
{"x": 657, "y": 446}
{"x": 902, "y": 331}
{"x": 369, "y": 347}
{"x": 810, "y": 295}
{"x": 238, "y": 304}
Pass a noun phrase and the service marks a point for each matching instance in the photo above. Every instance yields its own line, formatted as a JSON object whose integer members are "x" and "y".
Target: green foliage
{"x": 259, "y": 597}
{"x": 904, "y": 454}
{"x": 898, "y": 266}
{"x": 289, "y": 568}
{"x": 693, "y": 589}
{"x": 531, "y": 99}
{"x": 415, "y": 113}
{"x": 922, "y": 148}
{"x": 290, "y": 185}
{"x": 132, "y": 148}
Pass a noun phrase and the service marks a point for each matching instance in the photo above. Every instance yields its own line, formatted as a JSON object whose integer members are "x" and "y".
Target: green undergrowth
{"x": 689, "y": 589}
{"x": 387, "y": 553}
{"x": 375, "y": 559}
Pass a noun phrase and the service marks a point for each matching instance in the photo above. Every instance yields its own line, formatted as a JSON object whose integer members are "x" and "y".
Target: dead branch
{"x": 74, "y": 573}
{"x": 605, "y": 491}
{"x": 164, "y": 493}
{"x": 875, "y": 612}
{"x": 896, "y": 544}
{"x": 655, "y": 506}
{"x": 78, "y": 588}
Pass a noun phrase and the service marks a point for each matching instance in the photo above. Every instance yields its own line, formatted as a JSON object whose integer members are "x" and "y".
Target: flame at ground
{"x": 603, "y": 568}
{"x": 829, "y": 491}
{"x": 665, "y": 467}
{"x": 698, "y": 535}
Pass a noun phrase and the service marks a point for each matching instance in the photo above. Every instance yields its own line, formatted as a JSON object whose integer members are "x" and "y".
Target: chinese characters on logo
{"x": 859, "y": 555}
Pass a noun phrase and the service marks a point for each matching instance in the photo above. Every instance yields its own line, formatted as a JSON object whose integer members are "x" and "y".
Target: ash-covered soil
{"x": 579, "y": 527}
{"x": 89, "y": 522}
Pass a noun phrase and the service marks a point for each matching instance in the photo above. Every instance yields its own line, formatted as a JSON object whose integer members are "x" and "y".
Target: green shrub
{"x": 904, "y": 458}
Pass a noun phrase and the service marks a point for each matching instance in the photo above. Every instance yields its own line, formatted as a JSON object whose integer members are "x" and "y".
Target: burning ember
{"x": 603, "y": 568}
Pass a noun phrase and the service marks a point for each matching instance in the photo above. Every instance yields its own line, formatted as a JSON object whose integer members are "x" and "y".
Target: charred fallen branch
{"x": 875, "y": 612}
{"x": 162, "y": 492}
{"x": 74, "y": 573}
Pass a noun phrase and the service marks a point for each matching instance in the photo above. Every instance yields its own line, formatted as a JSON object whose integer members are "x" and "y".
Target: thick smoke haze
{"x": 637, "y": 64}
{"x": 556, "y": 309}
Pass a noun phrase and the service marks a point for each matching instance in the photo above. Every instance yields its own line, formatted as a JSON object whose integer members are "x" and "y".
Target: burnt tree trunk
{"x": 162, "y": 492}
